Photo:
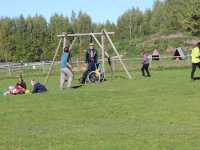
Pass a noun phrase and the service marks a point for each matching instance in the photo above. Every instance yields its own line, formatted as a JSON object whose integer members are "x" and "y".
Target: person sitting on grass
{"x": 19, "y": 88}
{"x": 14, "y": 90}
{"x": 145, "y": 64}
{"x": 37, "y": 87}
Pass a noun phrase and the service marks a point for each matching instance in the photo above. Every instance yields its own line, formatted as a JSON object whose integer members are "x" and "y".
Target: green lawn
{"x": 161, "y": 113}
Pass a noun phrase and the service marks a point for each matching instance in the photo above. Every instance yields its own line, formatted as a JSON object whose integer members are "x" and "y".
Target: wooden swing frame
{"x": 104, "y": 36}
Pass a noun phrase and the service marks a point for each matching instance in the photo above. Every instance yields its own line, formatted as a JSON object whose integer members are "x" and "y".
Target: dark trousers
{"x": 145, "y": 68}
{"x": 194, "y": 66}
{"x": 91, "y": 67}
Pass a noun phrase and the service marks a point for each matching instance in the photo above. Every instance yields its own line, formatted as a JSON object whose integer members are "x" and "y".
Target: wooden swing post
{"x": 53, "y": 62}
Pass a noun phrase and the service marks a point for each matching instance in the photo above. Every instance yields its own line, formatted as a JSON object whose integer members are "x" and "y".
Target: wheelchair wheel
{"x": 93, "y": 77}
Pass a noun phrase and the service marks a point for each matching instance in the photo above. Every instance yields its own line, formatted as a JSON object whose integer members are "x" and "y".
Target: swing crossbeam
{"x": 83, "y": 34}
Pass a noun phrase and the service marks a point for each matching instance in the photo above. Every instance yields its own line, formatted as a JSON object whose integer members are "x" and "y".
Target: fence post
{"x": 43, "y": 66}
{"x": 9, "y": 69}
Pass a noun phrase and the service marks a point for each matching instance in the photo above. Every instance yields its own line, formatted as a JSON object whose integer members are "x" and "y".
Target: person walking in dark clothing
{"x": 91, "y": 61}
{"x": 145, "y": 65}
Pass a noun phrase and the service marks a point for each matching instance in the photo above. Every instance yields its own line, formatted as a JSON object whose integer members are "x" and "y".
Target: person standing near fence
{"x": 195, "y": 60}
{"x": 66, "y": 69}
{"x": 145, "y": 64}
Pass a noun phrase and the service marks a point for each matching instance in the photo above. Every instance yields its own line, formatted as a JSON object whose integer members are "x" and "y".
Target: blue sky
{"x": 99, "y": 10}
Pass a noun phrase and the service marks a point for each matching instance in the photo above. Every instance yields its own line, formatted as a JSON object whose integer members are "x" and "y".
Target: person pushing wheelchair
{"x": 91, "y": 60}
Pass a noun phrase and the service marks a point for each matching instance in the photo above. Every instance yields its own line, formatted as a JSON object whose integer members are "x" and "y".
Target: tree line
{"x": 34, "y": 38}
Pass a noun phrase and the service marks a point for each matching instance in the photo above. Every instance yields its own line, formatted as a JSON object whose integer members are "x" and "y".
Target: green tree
{"x": 7, "y": 43}
{"x": 83, "y": 23}
{"x": 58, "y": 24}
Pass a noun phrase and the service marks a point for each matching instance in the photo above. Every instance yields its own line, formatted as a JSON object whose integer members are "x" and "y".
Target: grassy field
{"x": 158, "y": 113}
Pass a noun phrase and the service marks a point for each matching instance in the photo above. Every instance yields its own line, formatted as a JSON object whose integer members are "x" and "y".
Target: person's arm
{"x": 198, "y": 54}
{"x": 69, "y": 58}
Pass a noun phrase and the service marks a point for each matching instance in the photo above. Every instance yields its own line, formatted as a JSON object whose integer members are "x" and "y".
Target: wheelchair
{"x": 96, "y": 76}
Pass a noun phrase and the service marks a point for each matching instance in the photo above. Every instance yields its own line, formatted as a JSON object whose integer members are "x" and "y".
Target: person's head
{"x": 198, "y": 44}
{"x": 91, "y": 46}
{"x": 66, "y": 49}
{"x": 33, "y": 82}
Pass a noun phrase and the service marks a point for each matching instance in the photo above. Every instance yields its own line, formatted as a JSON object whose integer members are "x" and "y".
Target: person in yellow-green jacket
{"x": 195, "y": 60}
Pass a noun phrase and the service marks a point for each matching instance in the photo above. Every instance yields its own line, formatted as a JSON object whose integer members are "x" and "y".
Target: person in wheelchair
{"x": 91, "y": 61}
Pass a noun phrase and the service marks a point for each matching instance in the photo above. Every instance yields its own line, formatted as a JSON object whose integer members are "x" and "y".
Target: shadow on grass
{"x": 196, "y": 78}
{"x": 76, "y": 86}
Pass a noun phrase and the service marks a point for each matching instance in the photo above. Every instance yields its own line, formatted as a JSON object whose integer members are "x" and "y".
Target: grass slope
{"x": 161, "y": 113}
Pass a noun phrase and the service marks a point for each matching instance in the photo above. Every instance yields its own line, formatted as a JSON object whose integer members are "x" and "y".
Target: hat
{"x": 91, "y": 44}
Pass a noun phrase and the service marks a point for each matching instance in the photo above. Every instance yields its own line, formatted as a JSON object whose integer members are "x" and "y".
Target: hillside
{"x": 160, "y": 41}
